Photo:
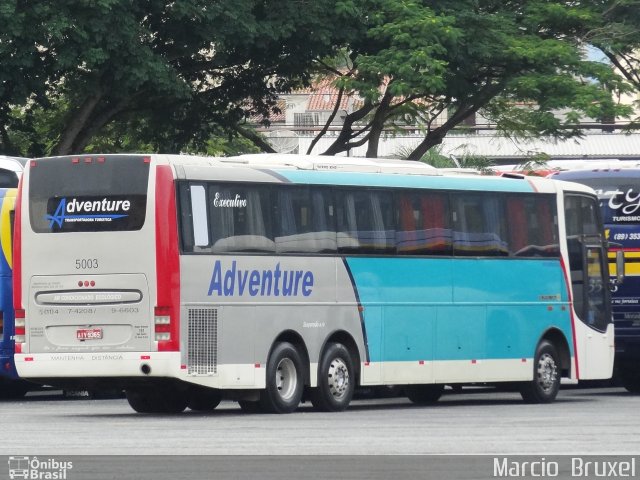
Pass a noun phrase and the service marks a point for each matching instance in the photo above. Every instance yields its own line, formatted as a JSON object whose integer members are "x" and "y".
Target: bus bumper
{"x": 129, "y": 369}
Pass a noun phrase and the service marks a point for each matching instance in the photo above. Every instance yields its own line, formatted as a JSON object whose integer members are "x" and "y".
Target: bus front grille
{"x": 202, "y": 343}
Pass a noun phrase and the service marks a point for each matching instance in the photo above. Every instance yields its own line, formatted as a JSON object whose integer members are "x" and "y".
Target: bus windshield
{"x": 109, "y": 195}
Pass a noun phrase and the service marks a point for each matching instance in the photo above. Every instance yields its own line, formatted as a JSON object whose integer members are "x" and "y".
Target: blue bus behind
{"x": 10, "y": 385}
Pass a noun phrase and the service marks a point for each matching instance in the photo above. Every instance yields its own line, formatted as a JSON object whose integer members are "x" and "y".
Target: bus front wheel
{"x": 336, "y": 380}
{"x": 546, "y": 376}
{"x": 284, "y": 381}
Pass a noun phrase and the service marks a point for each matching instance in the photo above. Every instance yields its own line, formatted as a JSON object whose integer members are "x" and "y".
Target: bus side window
{"x": 194, "y": 223}
{"x": 365, "y": 222}
{"x": 303, "y": 223}
{"x": 199, "y": 216}
{"x": 479, "y": 225}
{"x": 240, "y": 218}
{"x": 423, "y": 227}
{"x": 532, "y": 227}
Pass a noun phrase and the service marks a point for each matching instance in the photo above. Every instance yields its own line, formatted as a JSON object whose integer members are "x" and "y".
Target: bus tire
{"x": 336, "y": 380}
{"x": 203, "y": 399}
{"x": 156, "y": 400}
{"x": 630, "y": 379}
{"x": 142, "y": 401}
{"x": 173, "y": 400}
{"x": 13, "y": 389}
{"x": 424, "y": 394}
{"x": 249, "y": 406}
{"x": 284, "y": 380}
{"x": 546, "y": 375}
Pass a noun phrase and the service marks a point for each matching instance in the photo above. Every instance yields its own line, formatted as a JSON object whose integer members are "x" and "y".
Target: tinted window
{"x": 109, "y": 194}
{"x": 286, "y": 219}
{"x": 240, "y": 218}
{"x": 423, "y": 224}
{"x": 305, "y": 220}
{"x": 533, "y": 225}
{"x": 8, "y": 178}
{"x": 365, "y": 221}
{"x": 581, "y": 214}
{"x": 586, "y": 260}
{"x": 479, "y": 226}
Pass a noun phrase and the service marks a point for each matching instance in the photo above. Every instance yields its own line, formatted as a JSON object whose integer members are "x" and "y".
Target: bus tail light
{"x": 162, "y": 324}
{"x": 20, "y": 331}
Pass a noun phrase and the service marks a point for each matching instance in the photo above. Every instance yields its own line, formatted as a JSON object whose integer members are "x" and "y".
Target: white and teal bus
{"x": 275, "y": 279}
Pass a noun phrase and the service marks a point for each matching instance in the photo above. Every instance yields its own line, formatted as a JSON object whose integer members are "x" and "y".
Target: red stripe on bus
{"x": 573, "y": 320}
{"x": 167, "y": 254}
{"x": 17, "y": 251}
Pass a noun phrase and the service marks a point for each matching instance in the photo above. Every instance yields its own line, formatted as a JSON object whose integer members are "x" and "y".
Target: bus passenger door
{"x": 589, "y": 283}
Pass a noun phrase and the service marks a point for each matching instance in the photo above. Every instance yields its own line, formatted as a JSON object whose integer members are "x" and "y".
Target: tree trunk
{"x": 432, "y": 139}
{"x": 94, "y": 125}
{"x": 342, "y": 143}
{"x": 377, "y": 125}
{"x": 324, "y": 130}
{"x": 77, "y": 124}
{"x": 471, "y": 106}
{"x": 256, "y": 139}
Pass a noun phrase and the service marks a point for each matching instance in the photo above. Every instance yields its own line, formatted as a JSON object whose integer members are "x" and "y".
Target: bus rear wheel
{"x": 546, "y": 376}
{"x": 284, "y": 381}
{"x": 424, "y": 394}
{"x": 203, "y": 399}
{"x": 336, "y": 380}
{"x": 12, "y": 389}
{"x": 157, "y": 400}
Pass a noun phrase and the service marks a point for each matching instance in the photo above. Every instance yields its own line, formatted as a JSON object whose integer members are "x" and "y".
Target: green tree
{"x": 516, "y": 62}
{"x": 28, "y": 65}
{"x": 618, "y": 36}
{"x": 181, "y": 71}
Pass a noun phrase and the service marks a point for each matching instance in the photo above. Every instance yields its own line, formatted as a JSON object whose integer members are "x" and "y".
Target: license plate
{"x": 89, "y": 334}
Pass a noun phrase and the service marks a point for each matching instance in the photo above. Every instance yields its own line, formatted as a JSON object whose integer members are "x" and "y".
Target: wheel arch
{"x": 297, "y": 341}
{"x": 346, "y": 339}
{"x": 559, "y": 341}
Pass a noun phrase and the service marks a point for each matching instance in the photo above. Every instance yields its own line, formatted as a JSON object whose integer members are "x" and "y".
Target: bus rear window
{"x": 87, "y": 194}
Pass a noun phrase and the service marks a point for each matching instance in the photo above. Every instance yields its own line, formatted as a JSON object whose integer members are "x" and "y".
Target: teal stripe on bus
{"x": 473, "y": 183}
{"x": 455, "y": 309}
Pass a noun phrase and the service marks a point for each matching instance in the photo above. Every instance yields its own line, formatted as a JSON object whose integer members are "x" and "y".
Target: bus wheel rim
{"x": 547, "y": 372}
{"x": 338, "y": 376}
{"x": 286, "y": 378}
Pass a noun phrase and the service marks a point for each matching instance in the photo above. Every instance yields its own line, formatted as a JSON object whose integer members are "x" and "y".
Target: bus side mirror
{"x": 620, "y": 267}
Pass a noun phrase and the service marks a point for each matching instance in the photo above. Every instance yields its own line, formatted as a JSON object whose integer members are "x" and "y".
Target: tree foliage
{"x": 178, "y": 70}
{"x": 618, "y": 37}
{"x": 516, "y": 62}
{"x": 170, "y": 76}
